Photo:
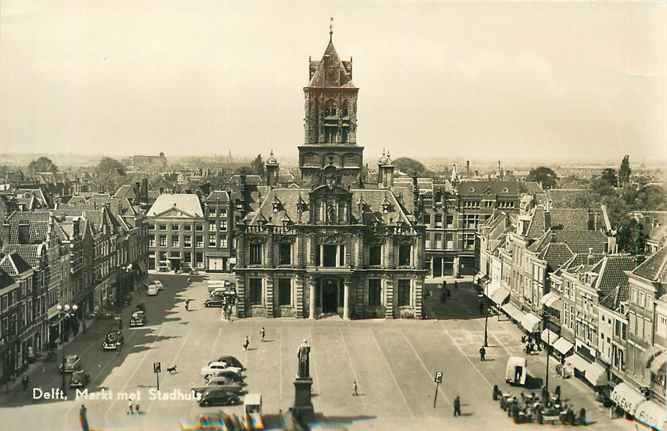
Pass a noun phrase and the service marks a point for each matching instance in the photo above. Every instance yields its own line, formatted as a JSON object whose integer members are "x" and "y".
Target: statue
{"x": 303, "y": 356}
{"x": 331, "y": 213}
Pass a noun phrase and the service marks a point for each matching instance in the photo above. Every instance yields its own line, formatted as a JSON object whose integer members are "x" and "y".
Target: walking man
{"x": 246, "y": 343}
{"x": 355, "y": 389}
{"x": 262, "y": 332}
{"x": 482, "y": 354}
{"x": 457, "y": 406}
{"x": 130, "y": 406}
{"x": 83, "y": 418}
{"x": 187, "y": 304}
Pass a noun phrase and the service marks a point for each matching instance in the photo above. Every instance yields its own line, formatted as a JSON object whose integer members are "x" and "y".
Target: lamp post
{"x": 67, "y": 312}
{"x": 545, "y": 319}
{"x": 486, "y": 317}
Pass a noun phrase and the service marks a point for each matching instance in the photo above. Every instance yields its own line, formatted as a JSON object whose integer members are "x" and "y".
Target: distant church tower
{"x": 330, "y": 120}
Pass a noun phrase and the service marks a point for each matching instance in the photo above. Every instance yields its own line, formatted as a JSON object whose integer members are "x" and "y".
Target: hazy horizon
{"x": 515, "y": 81}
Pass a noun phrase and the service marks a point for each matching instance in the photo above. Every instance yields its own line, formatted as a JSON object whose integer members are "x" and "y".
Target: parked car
{"x": 218, "y": 385}
{"x": 219, "y": 398}
{"x": 214, "y": 301}
{"x": 138, "y": 318}
{"x": 228, "y": 374}
{"x": 72, "y": 363}
{"x": 113, "y": 341}
{"x": 152, "y": 290}
{"x": 218, "y": 366}
{"x": 79, "y": 379}
{"x": 232, "y": 361}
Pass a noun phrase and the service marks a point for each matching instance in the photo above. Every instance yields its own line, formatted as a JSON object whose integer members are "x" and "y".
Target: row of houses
{"x": 558, "y": 274}
{"x": 84, "y": 254}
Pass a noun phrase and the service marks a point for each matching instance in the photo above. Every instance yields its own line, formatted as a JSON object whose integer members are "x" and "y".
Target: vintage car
{"x": 219, "y": 397}
{"x": 113, "y": 341}
{"x": 79, "y": 379}
{"x": 71, "y": 364}
{"x": 137, "y": 318}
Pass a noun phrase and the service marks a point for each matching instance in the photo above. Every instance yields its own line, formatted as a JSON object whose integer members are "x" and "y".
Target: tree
{"x": 624, "y": 171}
{"x": 42, "y": 164}
{"x": 109, "y": 166}
{"x": 609, "y": 176}
{"x": 257, "y": 165}
{"x": 631, "y": 237}
{"x": 410, "y": 166}
{"x": 546, "y": 176}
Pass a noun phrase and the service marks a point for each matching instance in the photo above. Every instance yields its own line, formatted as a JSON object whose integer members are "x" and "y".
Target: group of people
{"x": 446, "y": 293}
{"x": 531, "y": 345}
{"x": 532, "y": 407}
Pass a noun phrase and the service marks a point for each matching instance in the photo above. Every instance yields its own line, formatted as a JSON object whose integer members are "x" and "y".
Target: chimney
{"x": 547, "y": 214}
{"x": 589, "y": 258}
{"x": 144, "y": 190}
{"x": 75, "y": 229}
{"x": 468, "y": 168}
{"x": 243, "y": 189}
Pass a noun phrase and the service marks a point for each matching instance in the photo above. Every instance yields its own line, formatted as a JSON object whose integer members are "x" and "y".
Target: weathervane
{"x": 330, "y": 29}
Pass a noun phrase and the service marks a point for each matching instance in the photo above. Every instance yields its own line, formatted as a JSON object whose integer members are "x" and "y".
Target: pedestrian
{"x": 355, "y": 389}
{"x": 25, "y": 381}
{"x": 83, "y": 418}
{"x": 482, "y": 354}
{"x": 246, "y": 343}
{"x": 496, "y": 391}
{"x": 262, "y": 332}
{"x": 457, "y": 406}
{"x": 481, "y": 308}
{"x": 557, "y": 393}
{"x": 136, "y": 408}
{"x": 130, "y": 406}
{"x": 582, "y": 416}
{"x": 187, "y": 304}
{"x": 456, "y": 284}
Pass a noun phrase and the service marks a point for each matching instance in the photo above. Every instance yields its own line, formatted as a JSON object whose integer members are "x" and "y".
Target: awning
{"x": 513, "y": 312}
{"x": 531, "y": 322}
{"x": 652, "y": 414}
{"x": 550, "y": 299}
{"x": 549, "y": 337}
{"x": 499, "y": 295}
{"x": 578, "y": 363}
{"x": 596, "y": 374}
{"x": 563, "y": 346}
{"x": 626, "y": 397}
{"x": 659, "y": 362}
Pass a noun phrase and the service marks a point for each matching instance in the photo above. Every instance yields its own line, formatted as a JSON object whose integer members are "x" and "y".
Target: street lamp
{"x": 486, "y": 318}
{"x": 67, "y": 312}
{"x": 545, "y": 319}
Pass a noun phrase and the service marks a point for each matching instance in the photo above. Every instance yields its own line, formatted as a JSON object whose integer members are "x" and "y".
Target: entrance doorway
{"x": 329, "y": 296}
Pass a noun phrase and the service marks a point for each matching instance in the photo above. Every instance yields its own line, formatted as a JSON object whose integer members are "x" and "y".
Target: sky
{"x": 494, "y": 80}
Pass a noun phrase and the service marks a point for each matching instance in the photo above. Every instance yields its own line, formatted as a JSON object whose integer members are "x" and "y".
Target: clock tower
{"x": 330, "y": 120}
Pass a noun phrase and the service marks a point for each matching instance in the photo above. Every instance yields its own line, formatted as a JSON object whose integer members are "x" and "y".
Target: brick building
{"x": 338, "y": 246}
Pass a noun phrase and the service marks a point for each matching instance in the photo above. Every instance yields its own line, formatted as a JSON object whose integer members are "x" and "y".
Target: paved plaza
{"x": 393, "y": 362}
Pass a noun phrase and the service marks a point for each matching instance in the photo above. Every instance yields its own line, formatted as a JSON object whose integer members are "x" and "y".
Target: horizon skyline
{"x": 487, "y": 92}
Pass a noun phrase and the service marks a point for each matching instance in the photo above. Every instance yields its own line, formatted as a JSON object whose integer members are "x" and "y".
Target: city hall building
{"x": 332, "y": 245}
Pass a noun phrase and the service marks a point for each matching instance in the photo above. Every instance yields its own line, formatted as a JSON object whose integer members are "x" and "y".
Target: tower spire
{"x": 330, "y": 29}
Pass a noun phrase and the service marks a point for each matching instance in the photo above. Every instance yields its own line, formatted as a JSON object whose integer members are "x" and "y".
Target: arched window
{"x": 331, "y": 108}
{"x": 344, "y": 109}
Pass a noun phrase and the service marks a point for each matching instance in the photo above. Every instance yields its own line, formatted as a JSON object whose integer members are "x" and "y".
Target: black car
{"x": 219, "y": 398}
{"x": 79, "y": 379}
{"x": 214, "y": 301}
{"x": 231, "y": 361}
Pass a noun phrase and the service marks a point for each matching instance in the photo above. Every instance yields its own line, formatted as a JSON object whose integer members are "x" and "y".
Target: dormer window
{"x": 276, "y": 204}
{"x": 386, "y": 205}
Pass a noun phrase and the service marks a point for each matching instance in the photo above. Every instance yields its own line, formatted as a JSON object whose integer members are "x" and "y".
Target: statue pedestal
{"x": 303, "y": 406}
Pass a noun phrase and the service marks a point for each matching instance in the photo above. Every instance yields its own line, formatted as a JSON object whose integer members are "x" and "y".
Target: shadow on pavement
{"x": 462, "y": 303}
{"x": 100, "y": 364}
